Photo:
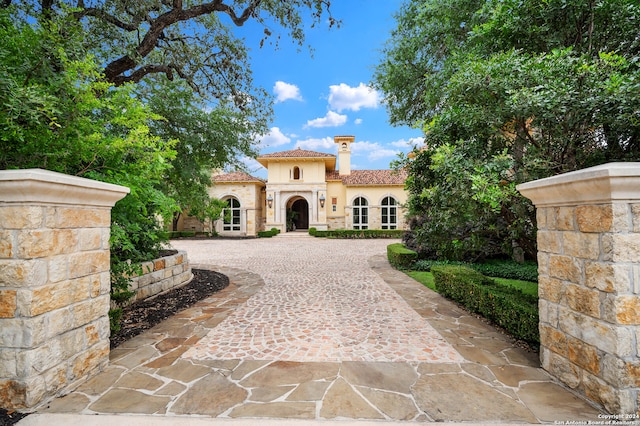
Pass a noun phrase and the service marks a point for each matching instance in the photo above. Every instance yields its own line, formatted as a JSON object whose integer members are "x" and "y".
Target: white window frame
{"x": 233, "y": 213}
{"x": 360, "y": 211}
{"x": 389, "y": 213}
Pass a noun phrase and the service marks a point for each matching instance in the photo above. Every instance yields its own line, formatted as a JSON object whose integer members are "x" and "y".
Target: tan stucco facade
{"x": 305, "y": 190}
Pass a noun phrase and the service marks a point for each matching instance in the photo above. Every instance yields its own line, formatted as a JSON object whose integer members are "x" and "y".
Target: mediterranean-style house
{"x": 304, "y": 190}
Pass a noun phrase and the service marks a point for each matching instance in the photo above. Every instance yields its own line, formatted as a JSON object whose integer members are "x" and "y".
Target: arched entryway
{"x": 298, "y": 214}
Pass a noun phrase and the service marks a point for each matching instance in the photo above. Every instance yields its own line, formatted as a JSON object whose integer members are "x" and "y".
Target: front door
{"x": 301, "y": 216}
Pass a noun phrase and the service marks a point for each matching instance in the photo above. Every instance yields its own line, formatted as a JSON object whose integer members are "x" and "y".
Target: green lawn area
{"x": 527, "y": 287}
{"x": 426, "y": 278}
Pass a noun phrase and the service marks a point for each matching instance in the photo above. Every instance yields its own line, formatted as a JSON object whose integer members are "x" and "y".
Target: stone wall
{"x": 54, "y": 282}
{"x": 589, "y": 281}
{"x": 161, "y": 275}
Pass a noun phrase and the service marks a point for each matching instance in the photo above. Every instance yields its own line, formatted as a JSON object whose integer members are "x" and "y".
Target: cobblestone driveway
{"x": 321, "y": 302}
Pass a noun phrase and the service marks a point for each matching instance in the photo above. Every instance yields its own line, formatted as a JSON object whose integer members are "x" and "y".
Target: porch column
{"x": 277, "y": 206}
{"x": 314, "y": 206}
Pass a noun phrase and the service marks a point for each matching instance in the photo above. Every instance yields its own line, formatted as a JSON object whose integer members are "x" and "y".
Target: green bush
{"x": 358, "y": 233}
{"x": 115, "y": 315}
{"x": 399, "y": 256}
{"x": 268, "y": 234}
{"x": 505, "y": 306}
{"x": 496, "y": 268}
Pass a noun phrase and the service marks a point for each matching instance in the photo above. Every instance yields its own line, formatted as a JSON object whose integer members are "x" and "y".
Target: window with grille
{"x": 389, "y": 213}
{"x": 231, "y": 215}
{"x": 360, "y": 213}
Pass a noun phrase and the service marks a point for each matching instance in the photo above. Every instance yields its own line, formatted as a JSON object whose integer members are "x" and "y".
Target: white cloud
{"x": 373, "y": 150}
{"x": 403, "y": 143}
{"x": 332, "y": 119}
{"x": 343, "y": 97}
{"x": 314, "y": 144}
{"x": 357, "y": 121}
{"x": 285, "y": 91}
{"x": 364, "y": 147}
{"x": 274, "y": 138}
{"x": 382, "y": 153}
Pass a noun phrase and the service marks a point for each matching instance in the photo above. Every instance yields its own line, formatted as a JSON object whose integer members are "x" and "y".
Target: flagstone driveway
{"x": 322, "y": 329}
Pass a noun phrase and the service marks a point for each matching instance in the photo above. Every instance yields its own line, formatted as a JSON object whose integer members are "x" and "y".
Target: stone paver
{"x": 173, "y": 370}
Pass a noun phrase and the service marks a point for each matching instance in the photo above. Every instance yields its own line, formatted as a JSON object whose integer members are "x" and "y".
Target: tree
{"x": 210, "y": 212}
{"x": 208, "y": 138}
{"x": 552, "y": 84}
{"x": 57, "y": 114}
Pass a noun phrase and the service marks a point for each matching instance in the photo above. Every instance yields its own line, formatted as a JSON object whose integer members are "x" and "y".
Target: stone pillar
{"x": 589, "y": 281}
{"x": 54, "y": 282}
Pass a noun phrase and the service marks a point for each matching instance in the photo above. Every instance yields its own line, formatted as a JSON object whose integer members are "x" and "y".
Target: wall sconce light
{"x": 270, "y": 201}
{"x": 322, "y": 200}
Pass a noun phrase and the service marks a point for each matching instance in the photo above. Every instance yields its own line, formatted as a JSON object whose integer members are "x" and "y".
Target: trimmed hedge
{"x": 507, "y": 307}
{"x": 268, "y": 234}
{"x": 180, "y": 234}
{"x": 399, "y": 256}
{"x": 496, "y": 268}
{"x": 357, "y": 233}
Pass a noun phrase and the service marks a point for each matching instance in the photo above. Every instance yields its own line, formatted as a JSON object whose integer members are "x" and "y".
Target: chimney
{"x": 344, "y": 154}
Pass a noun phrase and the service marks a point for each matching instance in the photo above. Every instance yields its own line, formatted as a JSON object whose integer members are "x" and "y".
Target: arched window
{"x": 231, "y": 215}
{"x": 389, "y": 213}
{"x": 296, "y": 173}
{"x": 360, "y": 213}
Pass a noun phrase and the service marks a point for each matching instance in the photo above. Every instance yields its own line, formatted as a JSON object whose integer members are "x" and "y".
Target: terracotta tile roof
{"x": 236, "y": 177}
{"x": 369, "y": 177}
{"x": 298, "y": 153}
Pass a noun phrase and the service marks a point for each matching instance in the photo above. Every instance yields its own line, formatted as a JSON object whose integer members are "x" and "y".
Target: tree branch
{"x": 102, "y": 15}
{"x": 114, "y": 70}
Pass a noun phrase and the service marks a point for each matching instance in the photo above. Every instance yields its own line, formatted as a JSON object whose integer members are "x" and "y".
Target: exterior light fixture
{"x": 322, "y": 200}
{"x": 270, "y": 201}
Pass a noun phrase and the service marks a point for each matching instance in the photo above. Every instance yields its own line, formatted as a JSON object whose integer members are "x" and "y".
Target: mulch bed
{"x": 145, "y": 314}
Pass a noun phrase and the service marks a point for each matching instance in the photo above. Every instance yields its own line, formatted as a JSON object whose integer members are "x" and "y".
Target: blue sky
{"x": 326, "y": 93}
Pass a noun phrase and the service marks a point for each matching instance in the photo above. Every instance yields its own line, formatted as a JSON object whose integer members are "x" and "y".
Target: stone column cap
{"x": 611, "y": 182}
{"x": 44, "y": 186}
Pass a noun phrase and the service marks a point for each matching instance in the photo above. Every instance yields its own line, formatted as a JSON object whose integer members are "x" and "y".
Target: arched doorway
{"x": 298, "y": 214}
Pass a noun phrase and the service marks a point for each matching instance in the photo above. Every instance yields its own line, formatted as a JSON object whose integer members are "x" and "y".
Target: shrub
{"x": 507, "y": 307}
{"x": 509, "y": 269}
{"x": 268, "y": 234}
{"x": 358, "y": 233}
{"x": 115, "y": 315}
{"x": 399, "y": 256}
{"x": 497, "y": 268}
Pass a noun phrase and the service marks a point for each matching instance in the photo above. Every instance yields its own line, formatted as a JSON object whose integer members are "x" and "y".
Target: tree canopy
{"x": 553, "y": 85}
